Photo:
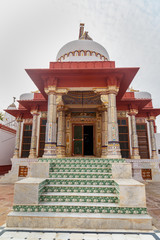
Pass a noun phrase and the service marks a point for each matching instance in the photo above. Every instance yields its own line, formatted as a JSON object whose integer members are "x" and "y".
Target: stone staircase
{"x": 80, "y": 193}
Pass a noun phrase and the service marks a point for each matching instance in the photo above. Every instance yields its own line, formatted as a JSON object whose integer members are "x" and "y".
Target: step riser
{"x": 65, "y": 175}
{"x": 79, "y": 182}
{"x": 79, "y": 189}
{"x": 82, "y": 170}
{"x": 79, "y": 199}
{"x": 78, "y": 223}
{"x": 79, "y": 209}
{"x": 81, "y": 165}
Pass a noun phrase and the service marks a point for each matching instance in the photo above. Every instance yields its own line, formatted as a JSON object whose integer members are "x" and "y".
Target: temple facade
{"x": 76, "y": 139}
{"x": 84, "y": 107}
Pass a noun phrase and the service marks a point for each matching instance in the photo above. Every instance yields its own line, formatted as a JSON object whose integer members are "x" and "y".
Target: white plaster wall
{"x": 7, "y": 144}
{"x": 157, "y": 136}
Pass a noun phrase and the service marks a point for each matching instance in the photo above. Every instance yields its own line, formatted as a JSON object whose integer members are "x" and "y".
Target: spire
{"x": 82, "y": 34}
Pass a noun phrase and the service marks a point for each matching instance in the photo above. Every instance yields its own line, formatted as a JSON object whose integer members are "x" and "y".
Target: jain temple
{"x": 84, "y": 140}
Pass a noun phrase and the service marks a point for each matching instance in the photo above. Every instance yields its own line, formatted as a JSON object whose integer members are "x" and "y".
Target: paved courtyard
{"x": 153, "y": 205}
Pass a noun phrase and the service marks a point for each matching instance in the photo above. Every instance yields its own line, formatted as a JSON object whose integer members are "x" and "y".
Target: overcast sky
{"x": 33, "y": 31}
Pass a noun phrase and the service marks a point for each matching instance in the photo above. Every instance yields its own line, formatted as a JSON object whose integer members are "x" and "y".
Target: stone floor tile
{"x": 62, "y": 236}
{"x": 104, "y": 237}
{"x": 158, "y": 234}
{"x": 132, "y": 237}
{"x": 88, "y": 236}
{"x": 76, "y": 236}
{"x": 48, "y": 236}
{"x": 118, "y": 237}
{"x": 146, "y": 237}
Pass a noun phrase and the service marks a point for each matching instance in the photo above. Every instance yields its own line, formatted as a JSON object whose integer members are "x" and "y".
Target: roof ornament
{"x": 131, "y": 89}
{"x": 82, "y": 34}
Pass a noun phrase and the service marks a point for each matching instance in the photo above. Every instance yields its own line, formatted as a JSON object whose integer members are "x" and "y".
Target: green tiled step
{"x": 105, "y": 198}
{"x": 77, "y": 181}
{"x": 80, "y": 165}
{"x": 80, "y": 160}
{"x": 77, "y": 208}
{"x": 79, "y": 189}
{"x": 80, "y": 175}
{"x": 88, "y": 170}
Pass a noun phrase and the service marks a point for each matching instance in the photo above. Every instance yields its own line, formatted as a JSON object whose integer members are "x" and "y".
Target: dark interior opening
{"x": 88, "y": 140}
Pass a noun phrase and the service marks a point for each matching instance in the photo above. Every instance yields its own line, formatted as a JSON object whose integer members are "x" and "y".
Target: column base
{"x": 16, "y": 154}
{"x": 32, "y": 154}
{"x": 61, "y": 151}
{"x": 114, "y": 150}
{"x": 154, "y": 154}
{"x": 50, "y": 150}
{"x": 104, "y": 151}
{"x": 135, "y": 153}
{"x": 135, "y": 157}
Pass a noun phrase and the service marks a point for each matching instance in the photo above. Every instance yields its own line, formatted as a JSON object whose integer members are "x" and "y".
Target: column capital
{"x": 19, "y": 119}
{"x": 113, "y": 83}
{"x": 133, "y": 112}
{"x": 34, "y": 112}
{"x": 61, "y": 108}
{"x": 112, "y": 89}
{"x": 151, "y": 118}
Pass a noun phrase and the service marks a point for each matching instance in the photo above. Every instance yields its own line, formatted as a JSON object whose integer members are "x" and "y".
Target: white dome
{"x": 82, "y": 50}
{"x": 27, "y": 96}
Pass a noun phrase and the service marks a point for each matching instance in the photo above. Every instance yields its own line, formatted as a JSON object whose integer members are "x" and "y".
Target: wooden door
{"x": 77, "y": 140}
{"x": 143, "y": 140}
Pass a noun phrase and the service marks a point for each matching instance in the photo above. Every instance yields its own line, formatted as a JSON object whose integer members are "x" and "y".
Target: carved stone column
{"x": 51, "y": 126}
{"x": 33, "y": 147}
{"x": 61, "y": 135}
{"x": 151, "y": 120}
{"x": 104, "y": 99}
{"x": 134, "y": 137}
{"x": 113, "y": 135}
{"x": 18, "y": 135}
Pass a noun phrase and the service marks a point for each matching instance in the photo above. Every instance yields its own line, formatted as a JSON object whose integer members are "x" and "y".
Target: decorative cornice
{"x": 82, "y": 53}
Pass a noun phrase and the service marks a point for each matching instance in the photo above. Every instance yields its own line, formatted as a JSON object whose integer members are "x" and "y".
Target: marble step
{"x": 79, "y": 170}
{"x": 83, "y": 207}
{"x": 79, "y": 189}
{"x": 80, "y": 175}
{"x": 81, "y": 194}
{"x": 80, "y": 165}
{"x": 78, "y": 181}
{"x": 52, "y": 197}
{"x": 77, "y": 221}
{"x": 80, "y": 160}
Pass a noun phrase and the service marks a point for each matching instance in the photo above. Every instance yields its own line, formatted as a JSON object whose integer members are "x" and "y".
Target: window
{"x": 26, "y": 143}
{"x": 23, "y": 171}
{"x": 123, "y": 137}
{"x": 146, "y": 174}
{"x": 42, "y": 136}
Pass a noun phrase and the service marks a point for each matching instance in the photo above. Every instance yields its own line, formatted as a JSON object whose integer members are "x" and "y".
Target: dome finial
{"x": 82, "y": 34}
